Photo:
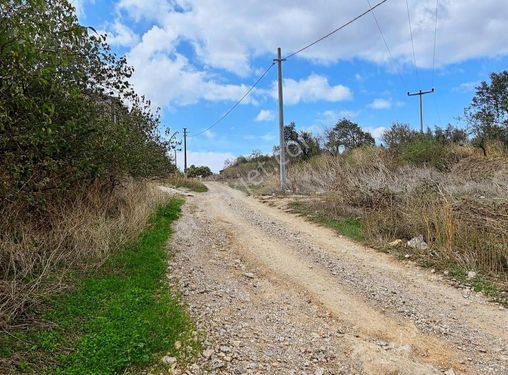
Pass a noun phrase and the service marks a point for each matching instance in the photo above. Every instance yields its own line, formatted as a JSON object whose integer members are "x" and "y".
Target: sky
{"x": 196, "y": 58}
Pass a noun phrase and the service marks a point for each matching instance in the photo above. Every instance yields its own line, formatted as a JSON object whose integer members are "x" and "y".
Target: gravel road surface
{"x": 275, "y": 294}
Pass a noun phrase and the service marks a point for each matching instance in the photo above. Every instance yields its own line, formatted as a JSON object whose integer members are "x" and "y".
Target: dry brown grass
{"x": 461, "y": 211}
{"x": 179, "y": 181}
{"x": 36, "y": 251}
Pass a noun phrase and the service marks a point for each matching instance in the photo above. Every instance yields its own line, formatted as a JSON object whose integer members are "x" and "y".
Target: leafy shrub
{"x": 425, "y": 151}
{"x": 200, "y": 171}
{"x": 63, "y": 117}
{"x": 398, "y": 136}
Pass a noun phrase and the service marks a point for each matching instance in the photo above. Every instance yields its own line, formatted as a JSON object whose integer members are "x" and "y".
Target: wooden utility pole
{"x": 184, "y": 150}
{"x": 420, "y": 94}
{"x": 282, "y": 155}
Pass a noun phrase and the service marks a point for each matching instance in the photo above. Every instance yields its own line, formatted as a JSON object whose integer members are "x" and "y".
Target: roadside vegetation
{"x": 80, "y": 291}
{"x": 182, "y": 181}
{"x": 119, "y": 318}
{"x": 448, "y": 185}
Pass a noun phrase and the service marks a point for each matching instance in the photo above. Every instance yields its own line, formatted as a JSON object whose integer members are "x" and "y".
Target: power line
{"x": 412, "y": 41}
{"x": 334, "y": 31}
{"x": 385, "y": 42}
{"x": 220, "y": 119}
{"x": 239, "y": 101}
{"x": 435, "y": 39}
{"x": 381, "y": 32}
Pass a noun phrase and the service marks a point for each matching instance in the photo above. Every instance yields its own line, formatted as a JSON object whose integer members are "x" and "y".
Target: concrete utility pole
{"x": 420, "y": 94}
{"x": 282, "y": 146}
{"x": 184, "y": 150}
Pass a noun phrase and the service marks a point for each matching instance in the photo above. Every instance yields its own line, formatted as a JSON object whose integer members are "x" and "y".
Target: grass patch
{"x": 186, "y": 182}
{"x": 349, "y": 227}
{"x": 118, "y": 319}
{"x": 479, "y": 283}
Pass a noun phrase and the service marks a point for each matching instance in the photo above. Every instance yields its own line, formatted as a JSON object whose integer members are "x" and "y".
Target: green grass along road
{"x": 119, "y": 318}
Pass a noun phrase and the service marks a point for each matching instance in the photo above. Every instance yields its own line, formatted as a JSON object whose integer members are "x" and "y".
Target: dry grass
{"x": 186, "y": 182}
{"x": 462, "y": 210}
{"x": 36, "y": 251}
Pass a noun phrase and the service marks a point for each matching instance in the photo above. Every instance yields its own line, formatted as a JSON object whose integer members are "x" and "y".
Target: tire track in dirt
{"x": 381, "y": 314}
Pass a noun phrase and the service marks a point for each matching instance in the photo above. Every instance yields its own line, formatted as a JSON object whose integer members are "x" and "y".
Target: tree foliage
{"x": 200, "y": 171}
{"x": 488, "y": 112}
{"x": 398, "y": 136}
{"x": 300, "y": 145}
{"x": 346, "y": 135}
{"x": 64, "y": 120}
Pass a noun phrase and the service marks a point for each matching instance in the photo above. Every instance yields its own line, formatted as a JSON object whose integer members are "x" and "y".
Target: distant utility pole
{"x": 282, "y": 146}
{"x": 184, "y": 150}
{"x": 420, "y": 94}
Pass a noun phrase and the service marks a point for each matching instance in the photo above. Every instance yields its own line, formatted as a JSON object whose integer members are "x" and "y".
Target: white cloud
{"x": 228, "y": 36}
{"x": 377, "y": 132}
{"x": 466, "y": 87}
{"x": 225, "y": 36}
{"x": 151, "y": 10}
{"x": 334, "y": 116}
{"x": 359, "y": 77}
{"x": 171, "y": 80}
{"x": 268, "y": 137}
{"x": 214, "y": 160}
{"x": 209, "y": 134}
{"x": 311, "y": 89}
{"x": 379, "y": 103}
{"x": 79, "y": 5}
{"x": 265, "y": 115}
{"x": 121, "y": 35}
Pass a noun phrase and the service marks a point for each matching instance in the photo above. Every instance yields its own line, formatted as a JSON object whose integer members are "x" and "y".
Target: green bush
{"x": 425, "y": 151}
{"x": 64, "y": 121}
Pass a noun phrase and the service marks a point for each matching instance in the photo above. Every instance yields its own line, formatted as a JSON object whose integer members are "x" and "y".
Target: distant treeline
{"x": 486, "y": 127}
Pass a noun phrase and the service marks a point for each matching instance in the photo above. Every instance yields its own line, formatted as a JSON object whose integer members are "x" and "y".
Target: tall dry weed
{"x": 74, "y": 233}
{"x": 462, "y": 212}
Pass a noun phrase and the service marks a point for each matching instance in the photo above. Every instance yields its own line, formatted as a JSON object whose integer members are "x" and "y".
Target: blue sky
{"x": 195, "y": 58}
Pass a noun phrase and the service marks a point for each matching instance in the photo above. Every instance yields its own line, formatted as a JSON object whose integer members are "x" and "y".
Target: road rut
{"x": 275, "y": 294}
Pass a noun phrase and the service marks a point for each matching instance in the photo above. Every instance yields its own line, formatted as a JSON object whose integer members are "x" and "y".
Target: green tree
{"x": 450, "y": 134}
{"x": 346, "y": 135}
{"x": 63, "y": 117}
{"x": 200, "y": 171}
{"x": 398, "y": 136}
{"x": 301, "y": 145}
{"x": 488, "y": 112}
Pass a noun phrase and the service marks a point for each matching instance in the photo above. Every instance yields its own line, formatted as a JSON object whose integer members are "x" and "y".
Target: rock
{"x": 319, "y": 371}
{"x": 471, "y": 275}
{"x": 449, "y": 372}
{"x": 418, "y": 243}
{"x": 178, "y": 345}
{"x": 225, "y": 349}
{"x": 407, "y": 256}
{"x": 208, "y": 353}
{"x": 168, "y": 360}
{"x": 249, "y": 275}
{"x": 397, "y": 242}
{"x": 446, "y": 272}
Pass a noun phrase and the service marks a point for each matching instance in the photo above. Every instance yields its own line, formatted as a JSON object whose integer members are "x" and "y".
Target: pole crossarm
{"x": 420, "y": 93}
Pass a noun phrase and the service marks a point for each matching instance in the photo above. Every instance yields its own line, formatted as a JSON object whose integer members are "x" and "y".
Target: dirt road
{"x": 275, "y": 294}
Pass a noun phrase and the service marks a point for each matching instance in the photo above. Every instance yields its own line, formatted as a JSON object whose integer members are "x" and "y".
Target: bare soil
{"x": 275, "y": 294}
